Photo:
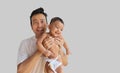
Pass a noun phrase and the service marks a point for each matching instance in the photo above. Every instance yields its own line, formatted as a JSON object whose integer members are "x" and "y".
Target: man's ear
{"x": 45, "y": 27}
{"x": 49, "y": 26}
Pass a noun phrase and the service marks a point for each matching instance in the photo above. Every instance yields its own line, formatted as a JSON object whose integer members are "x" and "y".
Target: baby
{"x": 54, "y": 60}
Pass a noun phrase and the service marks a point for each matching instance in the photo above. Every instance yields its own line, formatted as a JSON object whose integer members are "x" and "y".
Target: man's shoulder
{"x": 28, "y": 39}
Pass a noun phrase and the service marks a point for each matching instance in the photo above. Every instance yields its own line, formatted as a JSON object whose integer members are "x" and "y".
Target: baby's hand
{"x": 68, "y": 52}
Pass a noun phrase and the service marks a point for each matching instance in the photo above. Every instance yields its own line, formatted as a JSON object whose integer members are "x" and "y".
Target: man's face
{"x": 38, "y": 24}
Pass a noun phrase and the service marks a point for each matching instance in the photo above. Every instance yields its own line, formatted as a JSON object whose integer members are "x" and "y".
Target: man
{"x": 28, "y": 53}
{"x": 30, "y": 60}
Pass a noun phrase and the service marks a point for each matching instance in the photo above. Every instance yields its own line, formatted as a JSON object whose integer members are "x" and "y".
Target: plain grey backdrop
{"x": 92, "y": 30}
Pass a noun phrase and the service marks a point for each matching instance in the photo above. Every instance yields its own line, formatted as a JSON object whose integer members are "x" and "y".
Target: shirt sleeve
{"x": 22, "y": 52}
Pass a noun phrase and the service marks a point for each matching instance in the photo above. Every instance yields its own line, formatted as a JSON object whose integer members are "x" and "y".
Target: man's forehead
{"x": 38, "y": 16}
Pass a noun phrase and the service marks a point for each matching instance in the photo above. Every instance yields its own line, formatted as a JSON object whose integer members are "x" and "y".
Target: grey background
{"x": 92, "y": 30}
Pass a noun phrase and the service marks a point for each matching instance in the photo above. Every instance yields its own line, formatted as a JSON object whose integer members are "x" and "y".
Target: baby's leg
{"x": 59, "y": 69}
{"x": 48, "y": 69}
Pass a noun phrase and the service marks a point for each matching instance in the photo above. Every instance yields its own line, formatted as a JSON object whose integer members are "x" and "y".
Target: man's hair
{"x": 56, "y": 19}
{"x": 38, "y": 11}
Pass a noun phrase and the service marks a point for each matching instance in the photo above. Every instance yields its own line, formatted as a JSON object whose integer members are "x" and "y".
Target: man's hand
{"x": 48, "y": 42}
{"x": 59, "y": 41}
{"x": 47, "y": 53}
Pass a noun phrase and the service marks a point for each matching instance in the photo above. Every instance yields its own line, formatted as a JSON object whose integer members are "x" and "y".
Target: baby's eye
{"x": 57, "y": 27}
{"x": 61, "y": 29}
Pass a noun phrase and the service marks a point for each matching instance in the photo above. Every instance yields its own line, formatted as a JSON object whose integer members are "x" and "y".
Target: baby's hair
{"x": 56, "y": 19}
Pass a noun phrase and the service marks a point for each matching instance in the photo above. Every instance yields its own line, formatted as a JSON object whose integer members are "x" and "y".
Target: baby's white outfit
{"x": 53, "y": 63}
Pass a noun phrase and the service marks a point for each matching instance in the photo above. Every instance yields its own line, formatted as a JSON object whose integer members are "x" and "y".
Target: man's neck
{"x": 37, "y": 36}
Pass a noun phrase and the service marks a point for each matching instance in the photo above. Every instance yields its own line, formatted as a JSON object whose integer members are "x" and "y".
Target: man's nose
{"x": 39, "y": 25}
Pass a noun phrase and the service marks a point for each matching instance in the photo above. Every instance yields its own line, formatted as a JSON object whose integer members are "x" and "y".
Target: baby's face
{"x": 56, "y": 28}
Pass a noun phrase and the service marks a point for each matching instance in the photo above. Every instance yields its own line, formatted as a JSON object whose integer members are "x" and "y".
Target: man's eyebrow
{"x": 36, "y": 19}
{"x": 42, "y": 19}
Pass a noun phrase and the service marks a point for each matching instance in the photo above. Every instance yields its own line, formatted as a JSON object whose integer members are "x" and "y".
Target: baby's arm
{"x": 40, "y": 46}
{"x": 66, "y": 47}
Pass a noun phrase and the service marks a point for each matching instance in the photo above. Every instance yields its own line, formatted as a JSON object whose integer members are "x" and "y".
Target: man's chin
{"x": 39, "y": 33}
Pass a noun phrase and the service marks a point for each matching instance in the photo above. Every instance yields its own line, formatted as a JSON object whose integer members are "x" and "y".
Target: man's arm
{"x": 25, "y": 62}
{"x": 27, "y": 65}
{"x": 28, "y": 59}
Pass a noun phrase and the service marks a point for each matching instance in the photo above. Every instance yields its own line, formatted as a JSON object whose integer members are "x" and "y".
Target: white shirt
{"x": 26, "y": 49}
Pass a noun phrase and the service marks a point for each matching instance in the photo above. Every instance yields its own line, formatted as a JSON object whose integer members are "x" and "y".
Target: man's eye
{"x": 35, "y": 22}
{"x": 42, "y": 21}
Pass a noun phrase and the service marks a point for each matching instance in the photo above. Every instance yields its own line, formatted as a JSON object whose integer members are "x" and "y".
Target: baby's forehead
{"x": 57, "y": 22}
